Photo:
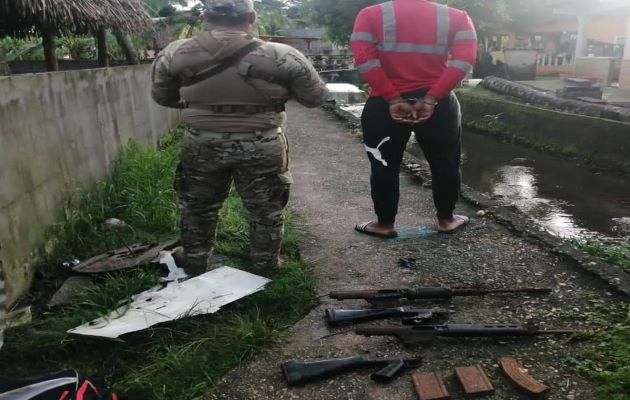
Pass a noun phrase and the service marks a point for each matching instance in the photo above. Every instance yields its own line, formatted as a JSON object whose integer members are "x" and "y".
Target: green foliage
{"x": 336, "y": 16}
{"x": 272, "y": 19}
{"x": 154, "y": 7}
{"x": 488, "y": 15}
{"x": 608, "y": 359}
{"x": 271, "y": 22}
{"x": 617, "y": 254}
{"x": 138, "y": 190}
{"x": 76, "y": 47}
{"x": 167, "y": 11}
{"x": 21, "y": 49}
{"x": 179, "y": 360}
{"x": 79, "y": 48}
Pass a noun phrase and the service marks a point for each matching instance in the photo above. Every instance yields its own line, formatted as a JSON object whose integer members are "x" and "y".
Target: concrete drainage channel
{"x": 514, "y": 220}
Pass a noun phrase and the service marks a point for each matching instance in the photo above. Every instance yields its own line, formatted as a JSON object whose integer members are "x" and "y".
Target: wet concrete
{"x": 567, "y": 199}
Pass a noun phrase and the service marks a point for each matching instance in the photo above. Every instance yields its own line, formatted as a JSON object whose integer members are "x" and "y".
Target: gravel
{"x": 331, "y": 194}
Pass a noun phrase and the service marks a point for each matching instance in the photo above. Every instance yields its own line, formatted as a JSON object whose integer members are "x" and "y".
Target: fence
{"x": 331, "y": 62}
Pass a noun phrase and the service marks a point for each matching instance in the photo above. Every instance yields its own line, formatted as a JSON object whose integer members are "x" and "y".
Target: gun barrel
{"x": 428, "y": 293}
{"x": 336, "y": 317}
{"x": 557, "y": 332}
{"x": 381, "y": 330}
{"x": 366, "y": 294}
{"x": 406, "y": 334}
{"x": 492, "y": 330}
{"x": 425, "y": 333}
{"x": 472, "y": 291}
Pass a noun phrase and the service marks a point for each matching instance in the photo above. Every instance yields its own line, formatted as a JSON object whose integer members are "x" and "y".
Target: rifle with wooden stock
{"x": 422, "y": 334}
{"x": 409, "y": 315}
{"x": 427, "y": 293}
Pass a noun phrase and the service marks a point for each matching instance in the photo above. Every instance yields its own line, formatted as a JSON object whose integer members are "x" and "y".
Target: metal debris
{"x": 122, "y": 259}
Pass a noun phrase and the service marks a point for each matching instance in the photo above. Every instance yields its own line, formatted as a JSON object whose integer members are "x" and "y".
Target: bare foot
{"x": 451, "y": 225}
{"x": 376, "y": 229}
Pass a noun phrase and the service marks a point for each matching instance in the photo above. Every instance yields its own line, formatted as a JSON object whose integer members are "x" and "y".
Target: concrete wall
{"x": 600, "y": 142}
{"x": 600, "y": 68}
{"x": 624, "y": 76}
{"x": 606, "y": 28}
{"x": 59, "y": 131}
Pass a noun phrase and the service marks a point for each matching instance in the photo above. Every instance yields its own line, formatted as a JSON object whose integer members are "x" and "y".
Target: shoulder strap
{"x": 226, "y": 63}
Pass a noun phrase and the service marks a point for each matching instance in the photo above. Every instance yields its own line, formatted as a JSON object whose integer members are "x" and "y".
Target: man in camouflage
{"x": 232, "y": 88}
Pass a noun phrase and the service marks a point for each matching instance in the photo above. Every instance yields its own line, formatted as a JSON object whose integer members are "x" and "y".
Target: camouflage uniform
{"x": 235, "y": 134}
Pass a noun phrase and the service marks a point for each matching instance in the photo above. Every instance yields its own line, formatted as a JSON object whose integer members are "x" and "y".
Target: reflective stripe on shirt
{"x": 463, "y": 65}
{"x": 368, "y": 65}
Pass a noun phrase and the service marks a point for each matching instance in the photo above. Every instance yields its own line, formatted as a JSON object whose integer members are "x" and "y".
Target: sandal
{"x": 459, "y": 227}
{"x": 362, "y": 228}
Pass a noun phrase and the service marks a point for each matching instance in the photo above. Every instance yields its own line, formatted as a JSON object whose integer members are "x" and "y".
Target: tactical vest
{"x": 253, "y": 81}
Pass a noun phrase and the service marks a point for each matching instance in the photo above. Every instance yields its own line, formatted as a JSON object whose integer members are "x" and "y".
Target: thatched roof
{"x": 26, "y": 17}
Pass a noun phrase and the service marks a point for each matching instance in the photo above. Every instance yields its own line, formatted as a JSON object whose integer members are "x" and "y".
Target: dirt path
{"x": 331, "y": 194}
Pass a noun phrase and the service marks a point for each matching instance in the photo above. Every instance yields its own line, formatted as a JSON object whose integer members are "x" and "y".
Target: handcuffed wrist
{"x": 430, "y": 100}
{"x": 396, "y": 100}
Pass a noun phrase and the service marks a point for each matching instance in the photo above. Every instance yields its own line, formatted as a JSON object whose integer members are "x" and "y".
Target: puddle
{"x": 567, "y": 199}
{"x": 408, "y": 232}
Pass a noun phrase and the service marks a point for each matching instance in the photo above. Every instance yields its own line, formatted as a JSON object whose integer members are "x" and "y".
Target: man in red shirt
{"x": 413, "y": 53}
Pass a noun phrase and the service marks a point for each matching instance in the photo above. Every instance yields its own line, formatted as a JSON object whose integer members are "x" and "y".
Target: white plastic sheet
{"x": 204, "y": 294}
{"x": 174, "y": 272}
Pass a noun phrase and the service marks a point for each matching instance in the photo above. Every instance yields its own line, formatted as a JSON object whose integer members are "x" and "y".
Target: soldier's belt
{"x": 229, "y": 109}
{"x": 236, "y": 135}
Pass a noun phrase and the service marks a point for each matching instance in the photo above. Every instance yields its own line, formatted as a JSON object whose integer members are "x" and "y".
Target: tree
{"x": 154, "y": 7}
{"x": 338, "y": 15}
{"x": 271, "y": 17}
{"x": 486, "y": 14}
{"x": 167, "y": 11}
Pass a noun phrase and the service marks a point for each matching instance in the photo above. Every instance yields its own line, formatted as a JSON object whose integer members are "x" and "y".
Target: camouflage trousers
{"x": 258, "y": 165}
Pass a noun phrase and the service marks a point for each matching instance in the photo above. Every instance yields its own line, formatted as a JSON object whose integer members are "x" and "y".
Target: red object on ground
{"x": 518, "y": 375}
{"x": 429, "y": 386}
{"x": 404, "y": 45}
{"x": 474, "y": 381}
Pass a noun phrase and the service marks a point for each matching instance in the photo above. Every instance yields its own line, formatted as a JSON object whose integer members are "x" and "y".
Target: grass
{"x": 608, "y": 362}
{"x": 608, "y": 359}
{"x": 617, "y": 254}
{"x": 178, "y": 360}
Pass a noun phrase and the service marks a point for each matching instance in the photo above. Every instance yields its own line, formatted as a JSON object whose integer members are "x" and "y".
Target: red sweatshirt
{"x": 405, "y": 45}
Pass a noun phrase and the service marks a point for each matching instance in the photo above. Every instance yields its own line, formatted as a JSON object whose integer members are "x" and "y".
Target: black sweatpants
{"x": 440, "y": 140}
